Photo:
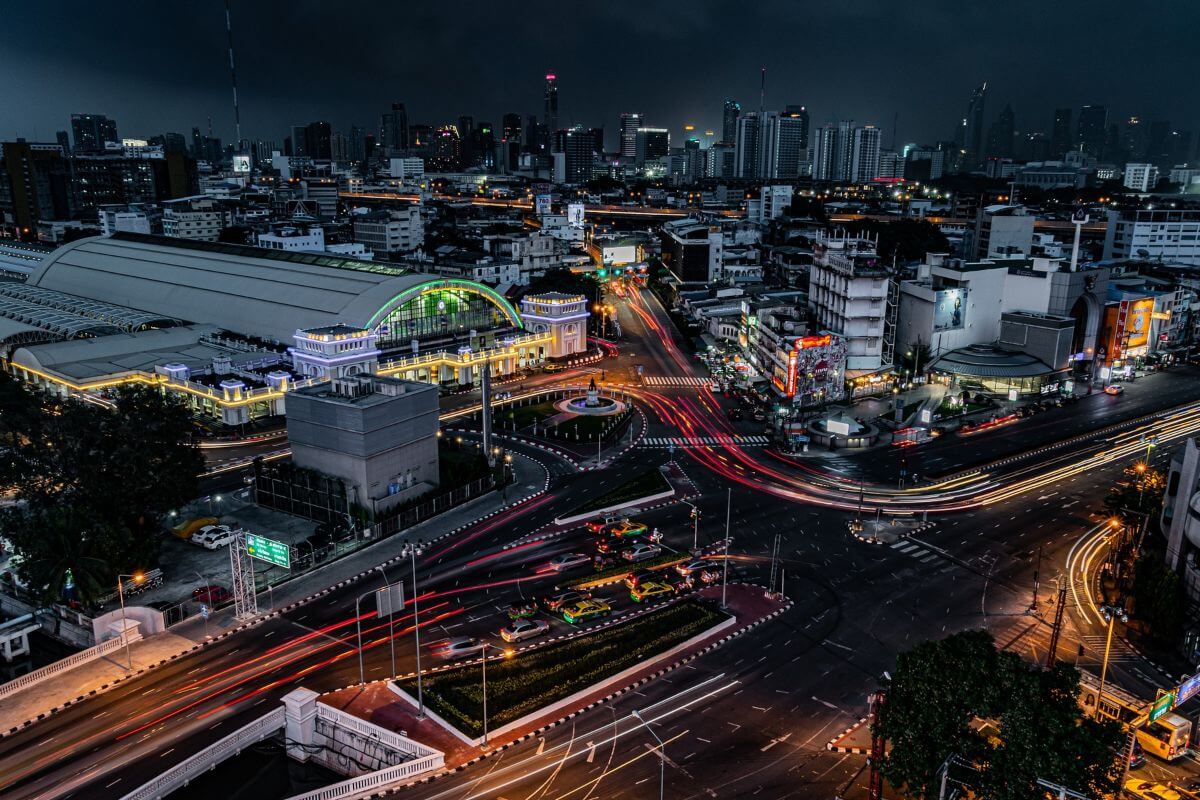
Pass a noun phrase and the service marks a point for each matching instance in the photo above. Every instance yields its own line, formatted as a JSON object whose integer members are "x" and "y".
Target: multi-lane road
{"x": 752, "y": 717}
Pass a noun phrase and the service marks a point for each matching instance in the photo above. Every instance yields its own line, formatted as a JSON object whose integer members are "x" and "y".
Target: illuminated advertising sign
{"x": 807, "y": 342}
{"x": 575, "y": 215}
{"x": 241, "y": 164}
{"x": 949, "y": 309}
{"x": 542, "y": 204}
{"x": 1137, "y": 323}
{"x": 790, "y": 389}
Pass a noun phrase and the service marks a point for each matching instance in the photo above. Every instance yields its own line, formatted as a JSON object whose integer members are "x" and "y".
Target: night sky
{"x": 162, "y": 66}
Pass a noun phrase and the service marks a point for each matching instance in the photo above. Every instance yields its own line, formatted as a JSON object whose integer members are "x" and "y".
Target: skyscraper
{"x": 64, "y": 141}
{"x": 864, "y": 159}
{"x": 973, "y": 135}
{"x": 729, "y": 119}
{"x": 1000, "y": 135}
{"x": 652, "y": 143}
{"x": 1090, "y": 135}
{"x": 1060, "y": 138}
{"x": 510, "y": 126}
{"x": 771, "y": 145}
{"x": 393, "y": 129}
{"x": 799, "y": 113}
{"x": 748, "y": 146}
{"x": 91, "y": 131}
{"x": 844, "y": 154}
{"x": 824, "y": 153}
{"x": 629, "y": 128}
{"x": 550, "y": 118}
{"x": 319, "y": 140}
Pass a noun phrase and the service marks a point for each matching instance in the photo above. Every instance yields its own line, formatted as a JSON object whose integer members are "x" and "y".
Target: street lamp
{"x": 1110, "y": 614}
{"x": 411, "y": 550}
{"x": 391, "y": 622}
{"x": 695, "y": 515}
{"x": 662, "y": 754}
{"x": 137, "y": 578}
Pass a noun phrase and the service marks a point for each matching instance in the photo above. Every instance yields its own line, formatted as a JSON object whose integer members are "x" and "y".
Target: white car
{"x": 568, "y": 560}
{"x": 459, "y": 647}
{"x": 690, "y": 567}
{"x": 521, "y": 629}
{"x": 211, "y": 537}
{"x": 641, "y": 552}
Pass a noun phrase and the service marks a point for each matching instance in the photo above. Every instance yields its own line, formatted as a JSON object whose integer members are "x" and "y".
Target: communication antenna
{"x": 762, "y": 92}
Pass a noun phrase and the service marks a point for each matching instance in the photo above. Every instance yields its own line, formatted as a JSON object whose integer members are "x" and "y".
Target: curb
{"x": 858, "y": 751}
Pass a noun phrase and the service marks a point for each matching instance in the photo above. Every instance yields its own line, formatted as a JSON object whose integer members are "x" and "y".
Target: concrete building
{"x": 1167, "y": 235}
{"x": 123, "y": 218}
{"x": 377, "y": 434}
{"x": 692, "y": 250}
{"x": 1140, "y": 177}
{"x": 1002, "y": 230}
{"x": 771, "y": 203}
{"x": 533, "y": 252}
{"x": 629, "y": 128}
{"x": 864, "y": 158}
{"x": 390, "y": 234}
{"x": 302, "y": 240}
{"x": 651, "y": 144}
{"x": 851, "y": 294}
{"x": 563, "y": 316}
{"x": 196, "y": 218}
{"x": 409, "y": 168}
{"x": 1180, "y": 521}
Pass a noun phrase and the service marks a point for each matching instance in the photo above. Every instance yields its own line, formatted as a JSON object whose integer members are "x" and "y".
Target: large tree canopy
{"x": 95, "y": 482}
{"x": 938, "y": 688}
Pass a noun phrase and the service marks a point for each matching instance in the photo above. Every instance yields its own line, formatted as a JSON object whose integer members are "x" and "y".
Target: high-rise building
{"x": 1000, "y": 135}
{"x": 824, "y": 153}
{"x": 1060, "y": 138}
{"x": 1134, "y": 139}
{"x": 748, "y": 145}
{"x": 799, "y": 113}
{"x": 550, "y": 101}
{"x": 91, "y": 131}
{"x": 629, "y": 128}
{"x": 973, "y": 133}
{"x": 393, "y": 129}
{"x": 1089, "y": 136}
{"x": 843, "y": 165}
{"x": 864, "y": 159}
{"x": 510, "y": 125}
{"x": 729, "y": 120}
{"x": 652, "y": 143}
{"x": 1140, "y": 177}
{"x": 37, "y": 178}
{"x": 772, "y": 145}
{"x": 573, "y": 160}
{"x": 64, "y": 141}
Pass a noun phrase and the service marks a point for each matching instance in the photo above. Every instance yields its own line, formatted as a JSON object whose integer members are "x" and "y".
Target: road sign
{"x": 1164, "y": 703}
{"x": 269, "y": 550}
{"x": 389, "y": 600}
{"x": 1187, "y": 690}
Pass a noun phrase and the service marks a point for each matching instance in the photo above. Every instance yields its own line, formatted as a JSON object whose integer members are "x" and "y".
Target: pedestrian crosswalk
{"x": 703, "y": 441}
{"x": 914, "y": 550}
{"x": 1121, "y": 652}
{"x": 677, "y": 381}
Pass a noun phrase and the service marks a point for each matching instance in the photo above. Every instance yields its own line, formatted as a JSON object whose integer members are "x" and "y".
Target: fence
{"x": 365, "y": 784}
{"x": 408, "y": 517}
{"x": 181, "y": 774}
{"x": 62, "y": 665}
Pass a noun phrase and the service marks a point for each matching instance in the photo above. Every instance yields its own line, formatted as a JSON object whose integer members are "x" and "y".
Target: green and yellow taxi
{"x": 584, "y": 610}
{"x": 648, "y": 590}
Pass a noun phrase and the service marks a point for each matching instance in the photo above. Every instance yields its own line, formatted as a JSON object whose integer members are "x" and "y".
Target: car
{"x": 567, "y": 561}
{"x": 626, "y": 529}
{"x": 211, "y": 537}
{"x": 1149, "y": 790}
{"x": 556, "y": 601}
{"x": 522, "y": 609}
{"x": 459, "y": 647}
{"x": 699, "y": 565}
{"x": 553, "y": 368}
{"x": 521, "y": 629}
{"x": 584, "y": 610}
{"x": 637, "y": 577}
{"x": 706, "y": 575}
{"x": 607, "y": 544}
{"x": 641, "y": 552}
{"x": 1114, "y": 389}
{"x": 648, "y": 590}
{"x": 599, "y": 525}
{"x": 210, "y": 594}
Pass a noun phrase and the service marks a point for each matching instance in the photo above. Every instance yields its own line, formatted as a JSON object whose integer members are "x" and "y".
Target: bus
{"x": 1166, "y": 738}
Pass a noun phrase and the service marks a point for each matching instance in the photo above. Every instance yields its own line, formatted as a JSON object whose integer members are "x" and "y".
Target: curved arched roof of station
{"x": 256, "y": 291}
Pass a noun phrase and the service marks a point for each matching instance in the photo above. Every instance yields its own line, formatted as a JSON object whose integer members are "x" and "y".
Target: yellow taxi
{"x": 584, "y": 610}
{"x": 1149, "y": 790}
{"x": 648, "y": 590}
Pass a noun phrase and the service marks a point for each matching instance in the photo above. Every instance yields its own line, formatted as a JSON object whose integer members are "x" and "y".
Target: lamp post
{"x": 137, "y": 578}
{"x": 725, "y": 575}
{"x": 486, "y": 645}
{"x": 695, "y": 514}
{"x": 662, "y": 754}
{"x": 412, "y": 550}
{"x": 391, "y": 622}
{"x": 1110, "y": 614}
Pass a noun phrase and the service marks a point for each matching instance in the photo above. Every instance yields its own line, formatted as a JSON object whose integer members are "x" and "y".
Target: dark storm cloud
{"x": 162, "y": 66}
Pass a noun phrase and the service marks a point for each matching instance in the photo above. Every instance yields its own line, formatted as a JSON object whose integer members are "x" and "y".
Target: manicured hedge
{"x": 643, "y": 485}
{"x": 540, "y": 677}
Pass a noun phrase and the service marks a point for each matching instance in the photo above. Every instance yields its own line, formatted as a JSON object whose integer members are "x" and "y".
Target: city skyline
{"x": 59, "y": 72}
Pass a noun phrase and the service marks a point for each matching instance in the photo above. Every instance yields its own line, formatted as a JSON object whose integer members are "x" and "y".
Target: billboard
{"x": 949, "y": 309}
{"x": 269, "y": 550}
{"x": 542, "y": 204}
{"x": 1137, "y": 323}
{"x": 241, "y": 164}
{"x": 575, "y": 214}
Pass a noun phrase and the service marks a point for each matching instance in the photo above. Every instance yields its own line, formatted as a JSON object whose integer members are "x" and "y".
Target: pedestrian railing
{"x": 70, "y": 662}
{"x": 182, "y": 773}
{"x": 372, "y": 781}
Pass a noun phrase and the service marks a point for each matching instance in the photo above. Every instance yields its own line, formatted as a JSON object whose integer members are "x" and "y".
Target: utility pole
{"x": 1056, "y": 631}
{"x": 1036, "y": 573}
{"x": 725, "y": 576}
{"x": 486, "y": 387}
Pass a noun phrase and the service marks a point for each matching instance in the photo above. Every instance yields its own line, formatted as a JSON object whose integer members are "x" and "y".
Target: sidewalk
{"x": 73, "y": 686}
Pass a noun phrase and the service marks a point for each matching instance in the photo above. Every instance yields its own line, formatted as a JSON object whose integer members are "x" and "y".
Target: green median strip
{"x": 644, "y": 485}
{"x": 538, "y": 678}
{"x": 621, "y": 571}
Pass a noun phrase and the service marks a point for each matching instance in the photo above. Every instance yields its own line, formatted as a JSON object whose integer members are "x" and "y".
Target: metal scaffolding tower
{"x": 245, "y": 600}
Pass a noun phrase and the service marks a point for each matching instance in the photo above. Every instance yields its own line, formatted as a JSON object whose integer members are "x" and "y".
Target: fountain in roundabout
{"x": 591, "y": 404}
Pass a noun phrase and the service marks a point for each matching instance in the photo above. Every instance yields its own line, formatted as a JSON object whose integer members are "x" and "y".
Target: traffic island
{"x": 384, "y": 704}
